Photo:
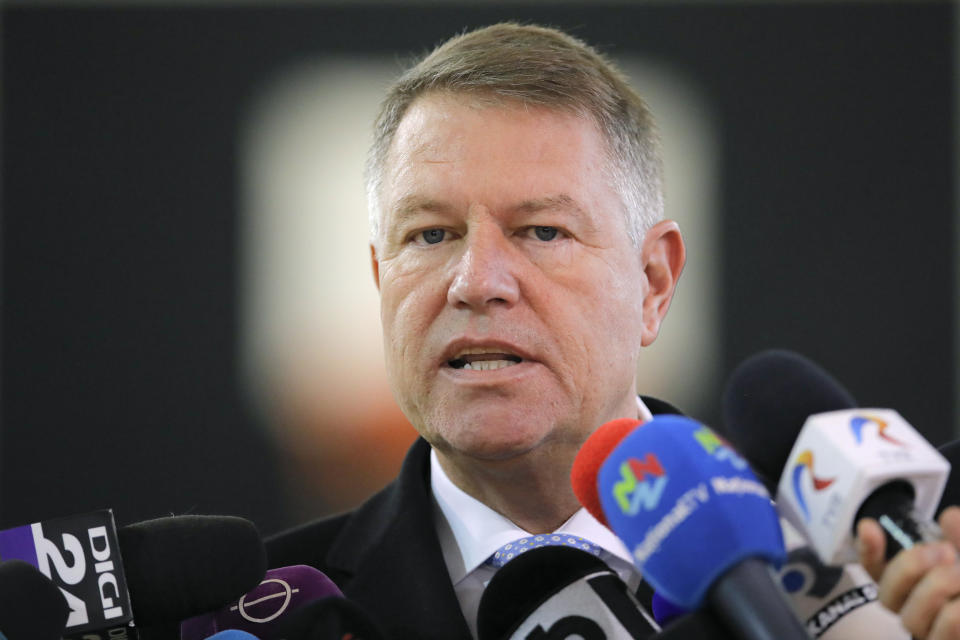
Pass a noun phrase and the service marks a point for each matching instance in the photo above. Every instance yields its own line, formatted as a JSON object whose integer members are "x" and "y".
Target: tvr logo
{"x": 641, "y": 484}
{"x": 857, "y": 424}
{"x": 803, "y": 462}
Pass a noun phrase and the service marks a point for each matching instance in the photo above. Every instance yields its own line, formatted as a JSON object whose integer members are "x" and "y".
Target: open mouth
{"x": 483, "y": 360}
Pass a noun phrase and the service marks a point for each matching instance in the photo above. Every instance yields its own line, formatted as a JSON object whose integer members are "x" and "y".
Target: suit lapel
{"x": 390, "y": 547}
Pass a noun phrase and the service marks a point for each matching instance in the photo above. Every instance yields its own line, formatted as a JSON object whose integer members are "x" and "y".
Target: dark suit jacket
{"x": 385, "y": 555}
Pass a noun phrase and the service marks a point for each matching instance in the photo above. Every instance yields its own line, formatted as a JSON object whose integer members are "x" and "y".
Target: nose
{"x": 485, "y": 274}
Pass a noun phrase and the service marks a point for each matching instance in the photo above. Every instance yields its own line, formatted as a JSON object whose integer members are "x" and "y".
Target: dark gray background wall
{"x": 119, "y": 255}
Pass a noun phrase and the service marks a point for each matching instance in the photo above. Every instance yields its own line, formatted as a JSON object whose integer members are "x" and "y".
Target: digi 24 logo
{"x": 641, "y": 484}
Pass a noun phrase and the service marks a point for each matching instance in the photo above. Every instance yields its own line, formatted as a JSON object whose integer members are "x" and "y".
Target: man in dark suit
{"x": 522, "y": 259}
{"x": 523, "y": 262}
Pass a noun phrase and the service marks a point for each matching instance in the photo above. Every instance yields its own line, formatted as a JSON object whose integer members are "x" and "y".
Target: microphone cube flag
{"x": 839, "y": 460}
{"x": 687, "y": 506}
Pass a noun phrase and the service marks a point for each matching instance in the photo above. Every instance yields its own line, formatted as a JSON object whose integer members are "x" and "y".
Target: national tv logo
{"x": 805, "y": 461}
{"x": 641, "y": 484}
{"x": 719, "y": 448}
{"x": 857, "y": 423}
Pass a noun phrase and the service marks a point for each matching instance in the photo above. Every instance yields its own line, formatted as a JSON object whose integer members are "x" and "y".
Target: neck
{"x": 537, "y": 498}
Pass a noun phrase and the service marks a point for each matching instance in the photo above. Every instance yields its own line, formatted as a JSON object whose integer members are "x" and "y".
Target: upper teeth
{"x": 487, "y": 365}
{"x": 472, "y": 358}
{"x": 478, "y": 351}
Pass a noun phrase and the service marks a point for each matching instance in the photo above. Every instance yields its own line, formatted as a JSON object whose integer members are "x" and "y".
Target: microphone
{"x": 233, "y": 634}
{"x": 171, "y": 568}
{"x": 180, "y": 566}
{"x": 834, "y": 602}
{"x": 80, "y": 555}
{"x": 664, "y": 611}
{"x": 846, "y": 464}
{"x": 699, "y": 524}
{"x": 583, "y": 475}
{"x": 951, "y": 492}
{"x": 263, "y": 609}
{"x": 559, "y": 592}
{"x": 31, "y": 606}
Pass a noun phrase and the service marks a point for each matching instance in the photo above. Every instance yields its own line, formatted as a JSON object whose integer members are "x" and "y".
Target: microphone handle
{"x": 892, "y": 506}
{"x": 750, "y": 603}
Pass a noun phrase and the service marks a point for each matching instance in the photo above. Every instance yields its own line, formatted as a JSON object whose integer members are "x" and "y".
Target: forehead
{"x": 523, "y": 151}
{"x": 438, "y": 120}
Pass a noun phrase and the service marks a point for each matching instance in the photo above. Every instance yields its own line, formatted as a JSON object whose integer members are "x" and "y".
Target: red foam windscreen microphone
{"x": 583, "y": 475}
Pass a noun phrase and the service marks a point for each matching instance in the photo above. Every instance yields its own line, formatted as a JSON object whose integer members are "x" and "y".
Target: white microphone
{"x": 856, "y": 463}
{"x": 836, "y": 463}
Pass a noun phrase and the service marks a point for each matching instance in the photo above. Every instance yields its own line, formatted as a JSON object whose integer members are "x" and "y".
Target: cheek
{"x": 409, "y": 301}
{"x": 615, "y": 313}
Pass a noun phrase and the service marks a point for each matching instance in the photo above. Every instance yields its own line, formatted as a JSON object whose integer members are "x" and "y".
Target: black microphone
{"x": 31, "y": 606}
{"x": 182, "y": 566}
{"x": 559, "y": 592}
{"x": 951, "y": 492}
{"x": 768, "y": 398}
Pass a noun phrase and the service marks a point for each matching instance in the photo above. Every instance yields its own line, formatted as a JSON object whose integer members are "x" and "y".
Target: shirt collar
{"x": 475, "y": 530}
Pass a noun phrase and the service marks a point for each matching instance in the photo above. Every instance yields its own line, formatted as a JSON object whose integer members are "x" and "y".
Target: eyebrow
{"x": 411, "y": 205}
{"x": 561, "y": 202}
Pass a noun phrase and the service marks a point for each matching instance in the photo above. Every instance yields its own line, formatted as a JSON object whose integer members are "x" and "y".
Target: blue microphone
{"x": 699, "y": 525}
{"x": 233, "y": 634}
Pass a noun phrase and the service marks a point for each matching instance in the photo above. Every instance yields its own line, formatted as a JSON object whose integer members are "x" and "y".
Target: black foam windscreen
{"x": 951, "y": 492}
{"x": 31, "y": 606}
{"x": 766, "y": 401}
{"x": 182, "y": 566}
{"x": 517, "y": 589}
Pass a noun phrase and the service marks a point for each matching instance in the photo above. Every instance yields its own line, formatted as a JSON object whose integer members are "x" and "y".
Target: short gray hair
{"x": 540, "y": 66}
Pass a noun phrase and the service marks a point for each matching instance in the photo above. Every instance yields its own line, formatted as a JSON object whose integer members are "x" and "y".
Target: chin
{"x": 483, "y": 442}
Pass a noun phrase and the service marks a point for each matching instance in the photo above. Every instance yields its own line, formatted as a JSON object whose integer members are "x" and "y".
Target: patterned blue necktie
{"x": 511, "y": 550}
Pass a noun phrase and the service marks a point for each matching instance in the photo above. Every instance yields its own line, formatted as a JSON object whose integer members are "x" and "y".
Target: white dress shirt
{"x": 470, "y": 532}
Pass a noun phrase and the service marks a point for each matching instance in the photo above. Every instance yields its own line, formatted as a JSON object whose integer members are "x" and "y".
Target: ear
{"x": 375, "y": 264}
{"x": 663, "y": 255}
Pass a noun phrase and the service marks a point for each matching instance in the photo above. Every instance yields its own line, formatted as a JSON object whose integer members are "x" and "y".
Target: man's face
{"x": 511, "y": 295}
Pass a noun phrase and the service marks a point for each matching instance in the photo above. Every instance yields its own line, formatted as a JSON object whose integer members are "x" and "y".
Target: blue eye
{"x": 545, "y": 233}
{"x": 433, "y": 236}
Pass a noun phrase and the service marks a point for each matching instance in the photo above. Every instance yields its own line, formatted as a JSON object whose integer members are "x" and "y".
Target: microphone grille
{"x": 181, "y": 566}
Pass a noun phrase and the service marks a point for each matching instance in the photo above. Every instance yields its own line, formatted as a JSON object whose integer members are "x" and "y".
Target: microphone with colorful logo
{"x": 297, "y": 602}
{"x": 844, "y": 463}
{"x": 699, "y": 524}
